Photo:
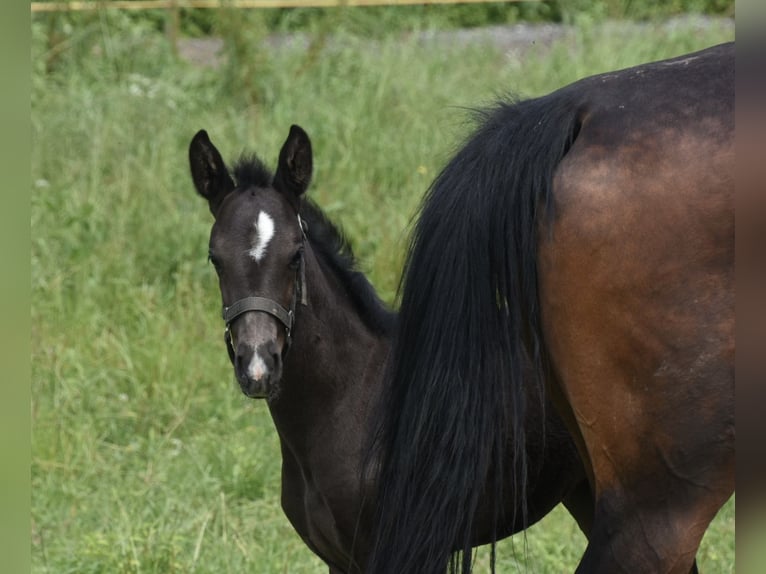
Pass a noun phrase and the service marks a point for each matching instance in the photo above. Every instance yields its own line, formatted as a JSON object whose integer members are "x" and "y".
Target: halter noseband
{"x": 266, "y": 305}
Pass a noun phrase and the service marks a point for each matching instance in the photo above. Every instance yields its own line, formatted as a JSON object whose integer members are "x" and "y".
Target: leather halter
{"x": 269, "y": 306}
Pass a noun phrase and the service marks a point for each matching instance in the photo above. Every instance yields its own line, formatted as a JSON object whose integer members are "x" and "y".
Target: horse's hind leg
{"x": 661, "y": 469}
{"x": 644, "y": 541}
{"x": 661, "y": 456}
{"x": 579, "y": 503}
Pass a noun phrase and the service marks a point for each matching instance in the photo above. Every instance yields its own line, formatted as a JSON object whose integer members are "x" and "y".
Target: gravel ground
{"x": 514, "y": 39}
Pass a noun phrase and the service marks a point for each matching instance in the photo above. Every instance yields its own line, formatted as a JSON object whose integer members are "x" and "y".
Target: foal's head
{"x": 256, "y": 247}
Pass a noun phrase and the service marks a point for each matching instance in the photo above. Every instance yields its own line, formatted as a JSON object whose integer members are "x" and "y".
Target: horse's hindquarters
{"x": 637, "y": 297}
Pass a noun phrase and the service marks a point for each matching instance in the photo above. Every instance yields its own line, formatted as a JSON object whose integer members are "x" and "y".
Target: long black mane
{"x": 330, "y": 244}
{"x": 334, "y": 248}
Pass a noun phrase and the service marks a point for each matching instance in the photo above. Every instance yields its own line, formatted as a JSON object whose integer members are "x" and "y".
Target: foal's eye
{"x": 296, "y": 259}
{"x": 216, "y": 263}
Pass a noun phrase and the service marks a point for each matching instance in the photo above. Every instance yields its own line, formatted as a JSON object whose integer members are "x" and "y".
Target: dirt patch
{"x": 515, "y": 40}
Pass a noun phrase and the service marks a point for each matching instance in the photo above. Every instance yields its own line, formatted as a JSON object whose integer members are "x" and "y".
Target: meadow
{"x": 146, "y": 458}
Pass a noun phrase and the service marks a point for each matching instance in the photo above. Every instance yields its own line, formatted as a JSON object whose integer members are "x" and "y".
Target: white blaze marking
{"x": 257, "y": 368}
{"x": 264, "y": 231}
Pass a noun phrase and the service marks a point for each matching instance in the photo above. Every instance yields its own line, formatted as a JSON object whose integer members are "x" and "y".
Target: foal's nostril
{"x": 269, "y": 354}
{"x": 242, "y": 358}
{"x": 276, "y": 357}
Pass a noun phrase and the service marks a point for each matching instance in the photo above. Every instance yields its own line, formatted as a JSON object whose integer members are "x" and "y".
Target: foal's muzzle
{"x": 258, "y": 370}
{"x": 256, "y": 353}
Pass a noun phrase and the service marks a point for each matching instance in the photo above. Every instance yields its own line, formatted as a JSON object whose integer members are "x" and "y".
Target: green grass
{"x": 146, "y": 458}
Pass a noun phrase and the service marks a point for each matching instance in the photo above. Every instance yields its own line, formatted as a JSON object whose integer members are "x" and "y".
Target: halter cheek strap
{"x": 265, "y": 305}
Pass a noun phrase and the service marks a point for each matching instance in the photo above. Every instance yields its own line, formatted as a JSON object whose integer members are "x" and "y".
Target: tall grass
{"x": 146, "y": 458}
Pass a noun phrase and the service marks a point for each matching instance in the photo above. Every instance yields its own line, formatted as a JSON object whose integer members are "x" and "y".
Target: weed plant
{"x": 146, "y": 457}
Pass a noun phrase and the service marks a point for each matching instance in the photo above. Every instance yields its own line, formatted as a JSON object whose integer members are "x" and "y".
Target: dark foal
{"x": 307, "y": 332}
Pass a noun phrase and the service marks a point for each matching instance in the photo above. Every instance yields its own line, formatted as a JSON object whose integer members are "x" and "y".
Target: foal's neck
{"x": 334, "y": 367}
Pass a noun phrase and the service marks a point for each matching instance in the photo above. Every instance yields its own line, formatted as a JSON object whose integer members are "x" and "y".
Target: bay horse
{"x": 306, "y": 332}
{"x": 579, "y": 244}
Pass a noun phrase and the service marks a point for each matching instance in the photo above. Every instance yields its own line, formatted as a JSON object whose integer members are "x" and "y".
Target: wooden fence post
{"x": 172, "y": 24}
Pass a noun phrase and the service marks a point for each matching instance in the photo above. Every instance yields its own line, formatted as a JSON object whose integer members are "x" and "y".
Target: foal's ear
{"x": 295, "y": 163}
{"x": 211, "y": 178}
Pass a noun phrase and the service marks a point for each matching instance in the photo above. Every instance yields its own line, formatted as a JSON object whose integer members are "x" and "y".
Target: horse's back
{"x": 637, "y": 291}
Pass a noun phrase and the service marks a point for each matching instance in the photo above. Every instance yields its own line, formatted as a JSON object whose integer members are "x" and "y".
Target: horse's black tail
{"x": 469, "y": 336}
